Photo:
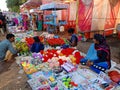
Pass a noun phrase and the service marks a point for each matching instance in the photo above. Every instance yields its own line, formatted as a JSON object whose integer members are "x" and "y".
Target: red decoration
{"x": 78, "y": 57}
{"x": 30, "y": 40}
{"x": 41, "y": 51}
{"x": 45, "y": 58}
{"x": 114, "y": 76}
{"x": 112, "y": 73}
{"x": 55, "y": 41}
{"x": 73, "y": 84}
{"x": 49, "y": 54}
{"x": 67, "y": 51}
{"x": 61, "y": 62}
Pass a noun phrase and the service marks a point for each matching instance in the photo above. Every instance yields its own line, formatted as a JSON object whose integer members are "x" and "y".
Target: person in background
{"x": 6, "y": 45}
{"x": 37, "y": 46}
{"x": 73, "y": 39}
{"x": 50, "y": 29}
{"x": 98, "y": 55}
{"x": 7, "y": 20}
{"x": 5, "y": 24}
{"x": 1, "y": 23}
{"x": 34, "y": 19}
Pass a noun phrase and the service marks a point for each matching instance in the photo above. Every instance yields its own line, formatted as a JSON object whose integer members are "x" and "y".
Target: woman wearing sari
{"x": 98, "y": 55}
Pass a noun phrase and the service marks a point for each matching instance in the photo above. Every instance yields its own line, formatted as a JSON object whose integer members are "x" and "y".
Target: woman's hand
{"x": 89, "y": 63}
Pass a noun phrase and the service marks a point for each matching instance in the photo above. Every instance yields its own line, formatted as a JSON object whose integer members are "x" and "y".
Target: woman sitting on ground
{"x": 37, "y": 46}
{"x": 98, "y": 56}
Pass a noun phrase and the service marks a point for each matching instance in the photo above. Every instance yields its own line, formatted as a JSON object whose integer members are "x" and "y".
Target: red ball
{"x": 115, "y": 78}
{"x": 113, "y": 73}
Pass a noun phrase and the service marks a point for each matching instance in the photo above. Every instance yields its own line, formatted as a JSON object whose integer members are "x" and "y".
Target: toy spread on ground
{"x": 56, "y": 68}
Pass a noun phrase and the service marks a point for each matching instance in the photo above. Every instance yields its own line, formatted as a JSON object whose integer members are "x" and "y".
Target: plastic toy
{"x": 37, "y": 55}
{"x": 23, "y": 47}
{"x": 67, "y": 81}
{"x": 51, "y": 79}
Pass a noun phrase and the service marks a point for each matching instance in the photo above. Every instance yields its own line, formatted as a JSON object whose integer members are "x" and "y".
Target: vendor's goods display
{"x": 115, "y": 76}
{"x": 60, "y": 69}
{"x": 23, "y": 47}
{"x": 55, "y": 70}
{"x": 55, "y": 41}
{"x": 30, "y": 40}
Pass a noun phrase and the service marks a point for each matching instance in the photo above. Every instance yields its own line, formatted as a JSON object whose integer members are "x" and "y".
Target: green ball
{"x": 69, "y": 79}
{"x": 67, "y": 83}
{"x": 64, "y": 79}
{"x": 64, "y": 83}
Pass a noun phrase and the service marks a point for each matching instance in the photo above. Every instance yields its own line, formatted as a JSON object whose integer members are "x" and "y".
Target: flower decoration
{"x": 55, "y": 41}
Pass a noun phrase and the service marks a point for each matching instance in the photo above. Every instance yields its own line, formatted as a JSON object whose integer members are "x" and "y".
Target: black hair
{"x": 36, "y": 39}
{"x": 99, "y": 38}
{"x": 0, "y": 13}
{"x": 9, "y": 36}
{"x": 71, "y": 30}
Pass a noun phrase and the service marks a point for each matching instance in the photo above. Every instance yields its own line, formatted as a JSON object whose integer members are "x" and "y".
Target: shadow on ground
{"x": 4, "y": 66}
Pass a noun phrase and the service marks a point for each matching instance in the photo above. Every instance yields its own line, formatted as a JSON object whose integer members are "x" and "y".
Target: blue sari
{"x": 37, "y": 47}
{"x": 93, "y": 56}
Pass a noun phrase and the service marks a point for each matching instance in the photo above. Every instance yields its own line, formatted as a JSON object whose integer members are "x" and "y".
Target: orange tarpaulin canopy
{"x": 30, "y": 4}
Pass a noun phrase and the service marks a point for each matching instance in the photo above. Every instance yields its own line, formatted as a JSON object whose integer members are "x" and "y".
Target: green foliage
{"x": 14, "y": 5}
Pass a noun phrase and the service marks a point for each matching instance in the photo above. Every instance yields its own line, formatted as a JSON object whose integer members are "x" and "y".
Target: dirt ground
{"x": 12, "y": 79}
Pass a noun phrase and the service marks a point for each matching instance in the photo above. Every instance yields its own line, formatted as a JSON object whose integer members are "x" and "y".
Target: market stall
{"x": 36, "y": 17}
{"x": 57, "y": 68}
{"x": 30, "y": 4}
{"x": 96, "y": 16}
{"x": 51, "y": 20}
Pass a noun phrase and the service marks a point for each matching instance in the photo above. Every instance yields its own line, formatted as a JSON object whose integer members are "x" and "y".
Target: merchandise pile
{"x": 57, "y": 68}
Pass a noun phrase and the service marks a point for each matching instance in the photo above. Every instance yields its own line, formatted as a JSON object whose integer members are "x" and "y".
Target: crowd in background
{"x": 3, "y": 22}
{"x": 25, "y": 21}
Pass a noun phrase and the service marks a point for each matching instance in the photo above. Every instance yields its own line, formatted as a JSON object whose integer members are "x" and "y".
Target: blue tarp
{"x": 54, "y": 6}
